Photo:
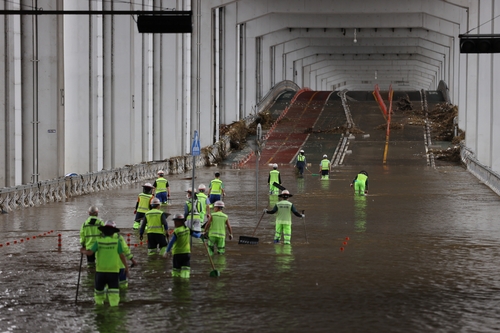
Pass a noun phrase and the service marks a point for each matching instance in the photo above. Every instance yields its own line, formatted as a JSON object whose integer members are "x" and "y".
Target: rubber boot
{"x": 99, "y": 296}
{"x": 114, "y": 297}
{"x": 185, "y": 272}
{"x": 176, "y": 272}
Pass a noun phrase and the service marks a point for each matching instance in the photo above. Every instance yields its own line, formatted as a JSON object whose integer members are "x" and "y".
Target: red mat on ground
{"x": 292, "y": 130}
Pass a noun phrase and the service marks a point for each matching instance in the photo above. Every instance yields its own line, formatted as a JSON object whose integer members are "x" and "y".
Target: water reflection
{"x": 110, "y": 319}
{"x": 284, "y": 257}
{"x": 360, "y": 213}
{"x": 300, "y": 185}
{"x": 325, "y": 184}
{"x": 273, "y": 200}
{"x": 219, "y": 262}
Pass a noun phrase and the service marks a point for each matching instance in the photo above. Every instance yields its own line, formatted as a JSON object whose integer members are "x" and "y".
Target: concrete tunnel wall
{"x": 91, "y": 101}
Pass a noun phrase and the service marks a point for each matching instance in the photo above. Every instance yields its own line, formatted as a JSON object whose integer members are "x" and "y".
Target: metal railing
{"x": 60, "y": 189}
{"x": 479, "y": 170}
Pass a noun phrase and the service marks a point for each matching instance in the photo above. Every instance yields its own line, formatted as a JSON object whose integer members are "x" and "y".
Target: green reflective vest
{"x": 301, "y": 158}
{"x": 107, "y": 253}
{"x": 216, "y": 186}
{"x": 325, "y": 164}
{"x": 181, "y": 244}
{"x": 153, "y": 220}
{"x": 144, "y": 200}
{"x": 202, "y": 198}
{"x": 197, "y": 209}
{"x": 161, "y": 185}
{"x": 361, "y": 178}
{"x": 89, "y": 232}
{"x": 218, "y": 225}
{"x": 274, "y": 177}
{"x": 126, "y": 249}
{"x": 284, "y": 214}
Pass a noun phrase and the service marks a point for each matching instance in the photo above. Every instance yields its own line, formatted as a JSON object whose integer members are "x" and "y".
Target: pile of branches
{"x": 442, "y": 118}
{"x": 238, "y": 131}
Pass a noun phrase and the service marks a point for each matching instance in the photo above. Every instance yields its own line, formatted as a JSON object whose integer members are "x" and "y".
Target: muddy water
{"x": 422, "y": 256}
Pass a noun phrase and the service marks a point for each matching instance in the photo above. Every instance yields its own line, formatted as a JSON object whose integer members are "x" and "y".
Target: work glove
{"x": 350, "y": 185}
{"x": 134, "y": 263}
{"x": 303, "y": 215}
{"x": 265, "y": 210}
{"x": 366, "y": 192}
{"x": 140, "y": 237}
{"x": 230, "y": 236}
{"x": 168, "y": 195}
{"x": 135, "y": 212}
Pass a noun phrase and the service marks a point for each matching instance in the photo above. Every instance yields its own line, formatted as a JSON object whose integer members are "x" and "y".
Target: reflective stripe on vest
{"x": 144, "y": 199}
{"x": 153, "y": 219}
{"x": 90, "y": 231}
{"x": 361, "y": 178}
{"x": 161, "y": 185}
{"x": 197, "y": 209}
{"x": 216, "y": 186}
{"x": 325, "y": 164}
{"x": 108, "y": 255}
{"x": 301, "y": 158}
{"x": 181, "y": 244}
{"x": 284, "y": 215}
{"x": 274, "y": 177}
{"x": 218, "y": 225}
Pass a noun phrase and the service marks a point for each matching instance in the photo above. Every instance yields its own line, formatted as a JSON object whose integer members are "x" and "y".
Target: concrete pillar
{"x": 42, "y": 97}
{"x": 10, "y": 99}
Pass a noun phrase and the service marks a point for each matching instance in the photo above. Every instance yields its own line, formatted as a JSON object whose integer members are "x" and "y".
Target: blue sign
{"x": 195, "y": 148}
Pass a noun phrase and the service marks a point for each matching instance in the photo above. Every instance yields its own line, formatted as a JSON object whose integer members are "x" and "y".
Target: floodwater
{"x": 420, "y": 254}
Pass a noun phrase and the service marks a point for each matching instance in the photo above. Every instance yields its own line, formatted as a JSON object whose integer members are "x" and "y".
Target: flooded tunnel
{"x": 418, "y": 253}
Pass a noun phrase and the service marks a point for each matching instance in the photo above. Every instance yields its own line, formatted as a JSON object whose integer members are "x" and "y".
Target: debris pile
{"x": 238, "y": 130}
{"x": 404, "y": 104}
{"x": 442, "y": 119}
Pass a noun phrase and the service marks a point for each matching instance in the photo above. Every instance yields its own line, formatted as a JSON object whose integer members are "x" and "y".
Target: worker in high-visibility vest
{"x": 360, "y": 183}
{"x": 191, "y": 213}
{"x": 274, "y": 177}
{"x": 324, "y": 167}
{"x": 216, "y": 189}
{"x": 89, "y": 232}
{"x": 155, "y": 221}
{"x": 180, "y": 247}
{"x": 162, "y": 188}
{"x": 300, "y": 164}
{"x": 216, "y": 229}
{"x": 109, "y": 252}
{"x": 205, "y": 203}
{"x": 143, "y": 204}
{"x": 284, "y": 208}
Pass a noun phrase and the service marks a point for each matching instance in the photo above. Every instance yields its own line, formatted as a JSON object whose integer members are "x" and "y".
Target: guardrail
{"x": 60, "y": 189}
{"x": 479, "y": 170}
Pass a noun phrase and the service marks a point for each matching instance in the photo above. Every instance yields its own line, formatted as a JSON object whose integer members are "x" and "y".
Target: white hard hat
{"x": 302, "y": 150}
{"x": 202, "y": 187}
{"x": 161, "y": 172}
{"x": 155, "y": 201}
{"x": 219, "y": 203}
{"x": 178, "y": 217}
{"x": 147, "y": 185}
{"x": 275, "y": 165}
{"x": 325, "y": 156}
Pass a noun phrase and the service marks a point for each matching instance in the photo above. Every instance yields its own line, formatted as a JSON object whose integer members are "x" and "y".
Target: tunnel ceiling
{"x": 409, "y": 44}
